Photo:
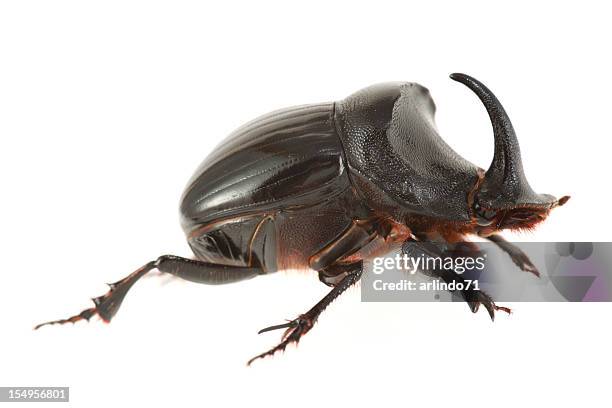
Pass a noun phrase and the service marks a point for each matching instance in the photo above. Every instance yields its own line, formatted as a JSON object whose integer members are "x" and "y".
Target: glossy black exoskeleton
{"x": 326, "y": 186}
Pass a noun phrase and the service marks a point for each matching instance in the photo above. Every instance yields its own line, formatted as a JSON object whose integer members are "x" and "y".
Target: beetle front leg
{"x": 473, "y": 297}
{"x": 519, "y": 258}
{"x": 298, "y": 327}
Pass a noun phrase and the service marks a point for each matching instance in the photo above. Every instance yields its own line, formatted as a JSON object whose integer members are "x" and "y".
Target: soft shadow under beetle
{"x": 327, "y": 185}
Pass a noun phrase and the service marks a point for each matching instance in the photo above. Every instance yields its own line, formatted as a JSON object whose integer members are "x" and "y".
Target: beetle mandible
{"x": 319, "y": 186}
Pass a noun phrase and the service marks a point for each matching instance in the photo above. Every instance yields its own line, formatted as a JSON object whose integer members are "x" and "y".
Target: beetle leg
{"x": 357, "y": 235}
{"x": 300, "y": 326}
{"x": 516, "y": 254}
{"x": 338, "y": 275}
{"x": 473, "y": 297}
{"x": 107, "y": 305}
{"x": 196, "y": 271}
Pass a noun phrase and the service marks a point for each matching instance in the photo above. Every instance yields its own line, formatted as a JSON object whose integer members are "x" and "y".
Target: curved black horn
{"x": 504, "y": 185}
{"x": 507, "y": 157}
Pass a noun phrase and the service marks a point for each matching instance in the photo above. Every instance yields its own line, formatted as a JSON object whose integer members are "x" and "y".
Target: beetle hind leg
{"x": 106, "y": 306}
{"x": 301, "y": 325}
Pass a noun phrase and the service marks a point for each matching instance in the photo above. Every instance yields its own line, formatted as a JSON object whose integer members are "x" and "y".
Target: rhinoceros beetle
{"x": 324, "y": 186}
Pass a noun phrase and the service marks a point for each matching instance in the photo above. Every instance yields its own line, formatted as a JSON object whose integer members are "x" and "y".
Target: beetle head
{"x": 504, "y": 199}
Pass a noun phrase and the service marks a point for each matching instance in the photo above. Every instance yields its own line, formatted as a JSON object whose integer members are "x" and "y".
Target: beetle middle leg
{"x": 334, "y": 270}
{"x": 298, "y": 327}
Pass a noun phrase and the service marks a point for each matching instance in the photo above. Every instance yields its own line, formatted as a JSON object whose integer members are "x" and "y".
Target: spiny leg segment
{"x": 473, "y": 297}
{"x": 517, "y": 255}
{"x": 106, "y": 306}
{"x": 301, "y": 325}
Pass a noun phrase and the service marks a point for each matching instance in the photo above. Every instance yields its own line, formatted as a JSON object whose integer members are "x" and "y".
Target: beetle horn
{"x": 507, "y": 157}
{"x": 505, "y": 183}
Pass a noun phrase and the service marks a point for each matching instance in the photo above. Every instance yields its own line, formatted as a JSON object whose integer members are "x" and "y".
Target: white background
{"x": 106, "y": 108}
